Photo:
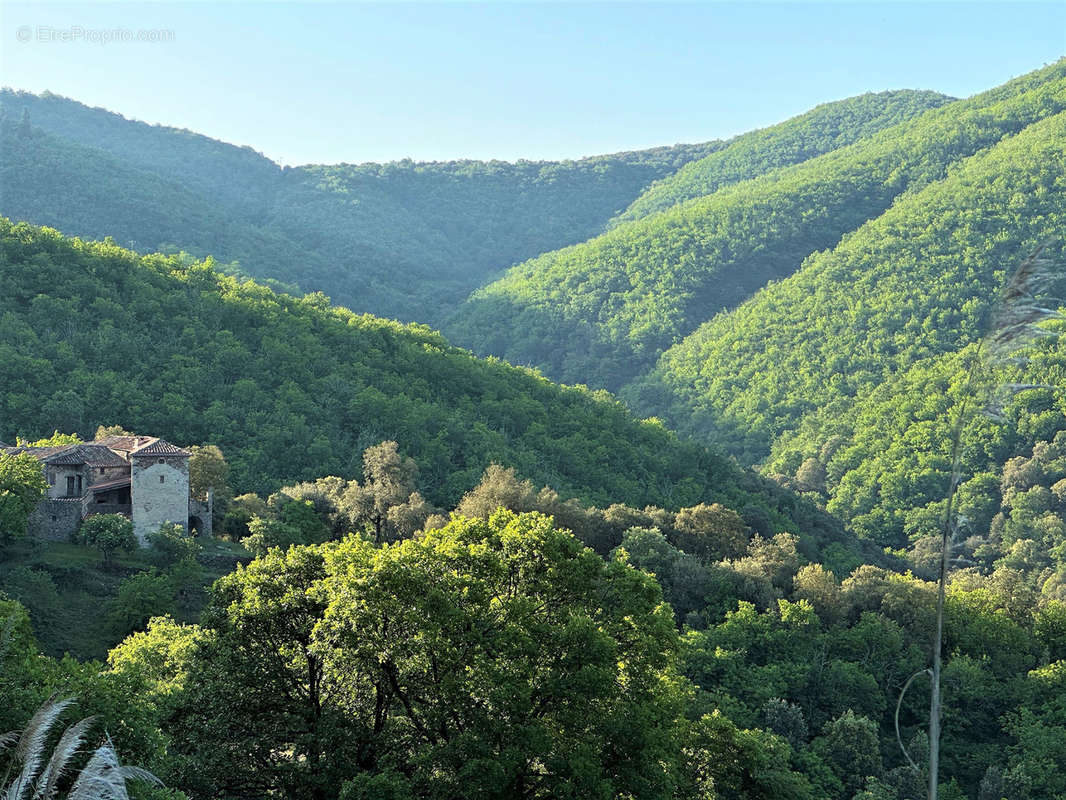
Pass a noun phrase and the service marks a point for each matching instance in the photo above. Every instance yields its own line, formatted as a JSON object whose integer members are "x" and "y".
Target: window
{"x": 70, "y": 485}
{"x": 162, "y": 478}
{"x": 161, "y": 461}
{"x": 51, "y": 478}
{"x": 101, "y": 470}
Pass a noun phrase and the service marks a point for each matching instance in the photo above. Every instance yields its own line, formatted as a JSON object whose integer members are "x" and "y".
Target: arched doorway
{"x": 196, "y": 526}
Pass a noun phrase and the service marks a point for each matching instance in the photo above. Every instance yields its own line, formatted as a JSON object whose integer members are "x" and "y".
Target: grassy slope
{"x": 68, "y": 590}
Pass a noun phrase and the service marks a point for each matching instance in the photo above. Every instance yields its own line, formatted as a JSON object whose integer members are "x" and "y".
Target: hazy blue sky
{"x": 329, "y": 82}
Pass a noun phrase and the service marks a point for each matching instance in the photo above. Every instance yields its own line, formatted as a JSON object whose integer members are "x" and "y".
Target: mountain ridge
{"x": 824, "y": 128}
{"x": 400, "y": 239}
{"x": 602, "y": 311}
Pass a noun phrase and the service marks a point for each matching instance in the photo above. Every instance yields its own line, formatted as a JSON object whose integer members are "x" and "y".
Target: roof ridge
{"x": 159, "y": 447}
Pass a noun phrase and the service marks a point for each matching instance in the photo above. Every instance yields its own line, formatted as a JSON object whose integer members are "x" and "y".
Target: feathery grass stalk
{"x": 102, "y": 778}
{"x": 1014, "y": 324}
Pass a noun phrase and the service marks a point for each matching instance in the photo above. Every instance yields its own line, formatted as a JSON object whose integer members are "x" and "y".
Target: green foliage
{"x": 1050, "y": 629}
{"x": 822, "y": 129}
{"x": 705, "y": 532}
{"x": 208, "y": 470}
{"x": 793, "y": 673}
{"x": 1035, "y": 763}
{"x": 171, "y": 544}
{"x": 493, "y": 655}
{"x": 157, "y": 660}
{"x": 36, "y": 590}
{"x": 296, "y": 523}
{"x": 384, "y": 507}
{"x": 491, "y": 658}
{"x": 438, "y": 664}
{"x": 603, "y": 311}
{"x": 685, "y": 581}
{"x": 735, "y": 764}
{"x": 57, "y": 439}
{"x": 850, "y": 745}
{"x": 22, "y": 485}
{"x": 24, "y": 676}
{"x": 108, "y": 533}
{"x": 291, "y": 390}
{"x": 857, "y": 359}
{"x": 70, "y": 593}
{"x": 140, "y": 597}
{"x": 403, "y": 240}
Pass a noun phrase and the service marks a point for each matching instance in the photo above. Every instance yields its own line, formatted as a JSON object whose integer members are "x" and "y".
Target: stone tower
{"x": 159, "y": 487}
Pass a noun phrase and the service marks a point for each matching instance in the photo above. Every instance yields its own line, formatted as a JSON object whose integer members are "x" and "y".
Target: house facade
{"x": 141, "y": 477}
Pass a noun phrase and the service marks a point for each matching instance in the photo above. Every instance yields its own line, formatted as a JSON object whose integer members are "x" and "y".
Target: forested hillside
{"x": 55, "y": 182}
{"x": 856, "y": 359}
{"x": 403, "y": 239}
{"x": 424, "y": 236}
{"x": 827, "y": 127}
{"x": 601, "y": 312}
{"x": 293, "y": 389}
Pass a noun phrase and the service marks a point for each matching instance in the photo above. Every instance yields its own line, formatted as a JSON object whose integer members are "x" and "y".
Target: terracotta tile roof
{"x": 160, "y": 448}
{"x": 142, "y": 446}
{"x": 127, "y": 443}
{"x": 111, "y": 451}
{"x": 72, "y": 454}
{"x": 92, "y": 454}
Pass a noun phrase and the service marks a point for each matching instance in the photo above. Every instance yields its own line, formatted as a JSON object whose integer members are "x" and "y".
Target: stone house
{"x": 141, "y": 477}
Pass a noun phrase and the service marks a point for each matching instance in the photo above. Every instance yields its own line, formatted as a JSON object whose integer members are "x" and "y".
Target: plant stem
{"x": 945, "y": 545}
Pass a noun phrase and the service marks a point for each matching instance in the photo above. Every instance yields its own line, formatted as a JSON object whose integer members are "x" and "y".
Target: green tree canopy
{"x": 22, "y": 485}
{"x": 108, "y": 533}
{"x": 492, "y": 658}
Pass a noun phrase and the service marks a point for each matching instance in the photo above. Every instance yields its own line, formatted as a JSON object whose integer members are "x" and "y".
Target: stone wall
{"x": 57, "y": 478}
{"x": 159, "y": 490}
{"x": 56, "y": 520}
{"x": 202, "y": 512}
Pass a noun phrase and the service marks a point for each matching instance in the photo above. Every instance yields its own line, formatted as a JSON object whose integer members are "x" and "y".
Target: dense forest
{"x": 404, "y": 240}
{"x": 437, "y": 575}
{"x": 855, "y": 360}
{"x": 293, "y": 389}
{"x": 603, "y": 311}
{"x": 822, "y": 129}
{"x": 493, "y": 654}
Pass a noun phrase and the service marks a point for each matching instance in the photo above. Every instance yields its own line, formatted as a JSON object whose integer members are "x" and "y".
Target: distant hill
{"x": 601, "y": 312}
{"x": 827, "y": 127}
{"x": 815, "y": 320}
{"x": 403, "y": 239}
{"x": 809, "y": 314}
